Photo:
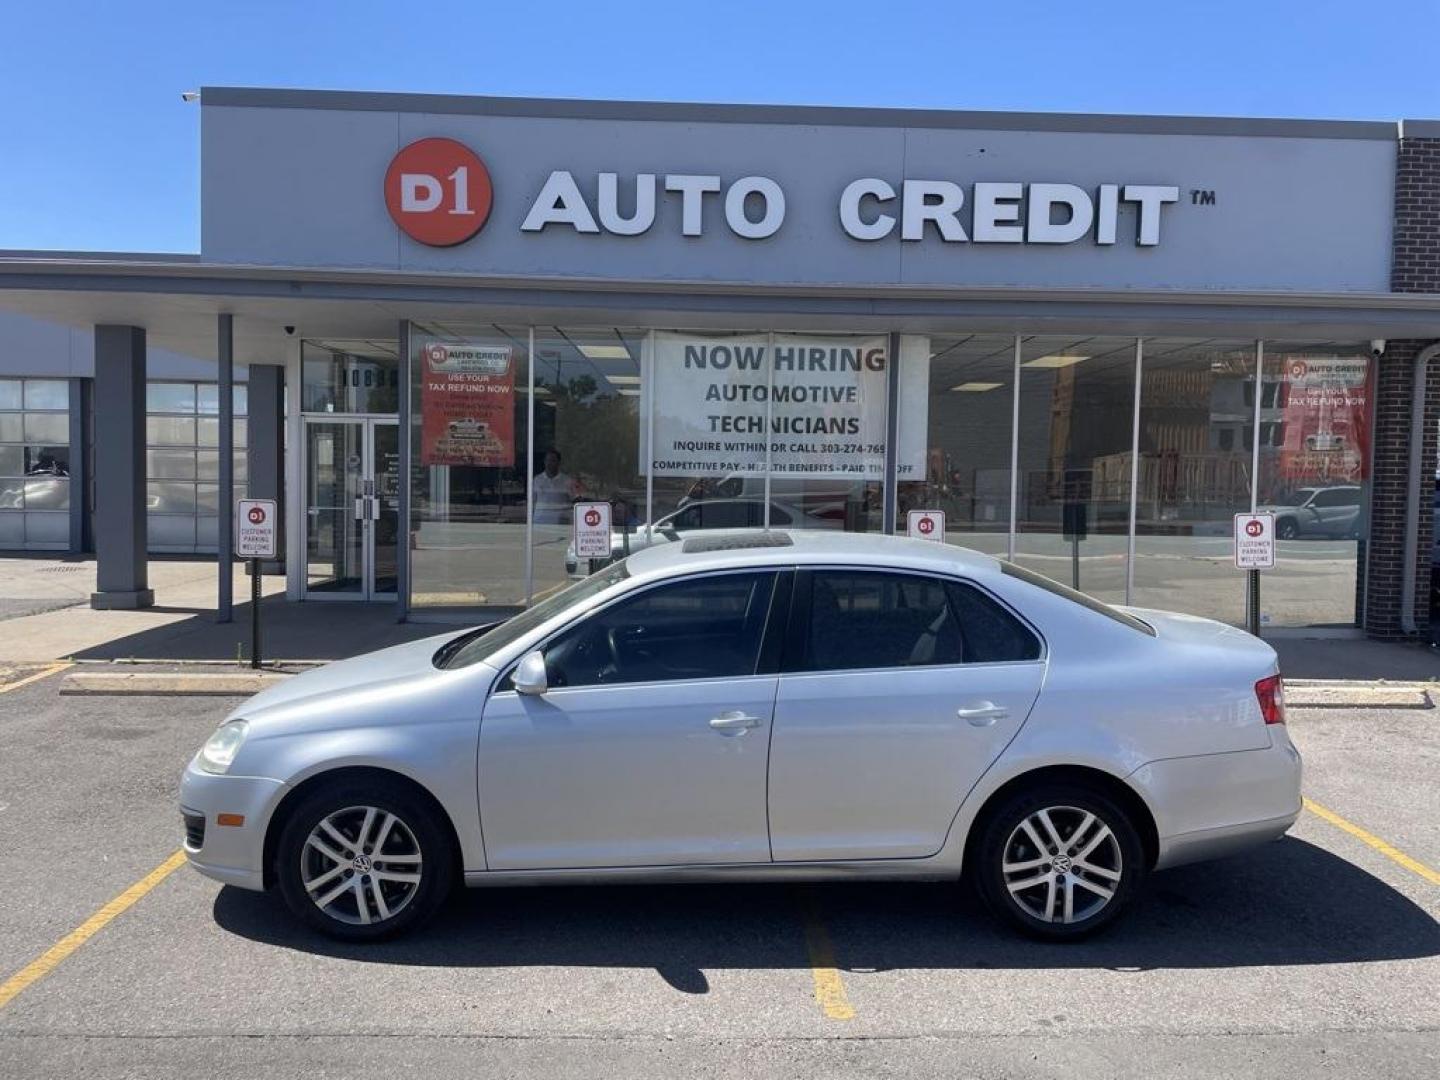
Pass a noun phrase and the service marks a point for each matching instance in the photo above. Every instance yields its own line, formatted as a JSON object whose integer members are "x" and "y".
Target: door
{"x": 649, "y": 747}
{"x": 897, "y": 692}
{"x": 352, "y": 508}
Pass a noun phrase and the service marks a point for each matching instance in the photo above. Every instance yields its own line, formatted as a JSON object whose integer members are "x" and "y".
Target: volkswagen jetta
{"x": 756, "y": 705}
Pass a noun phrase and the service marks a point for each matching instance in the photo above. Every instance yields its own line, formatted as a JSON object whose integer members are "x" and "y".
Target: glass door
{"x": 352, "y": 509}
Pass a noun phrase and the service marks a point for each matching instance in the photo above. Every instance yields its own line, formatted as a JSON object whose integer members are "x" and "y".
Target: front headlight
{"x": 220, "y": 749}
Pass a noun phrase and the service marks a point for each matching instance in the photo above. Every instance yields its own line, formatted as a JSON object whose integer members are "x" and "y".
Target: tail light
{"x": 1270, "y": 692}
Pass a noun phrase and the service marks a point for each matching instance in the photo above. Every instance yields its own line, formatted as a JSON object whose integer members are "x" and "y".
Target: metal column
{"x": 890, "y": 486}
{"x": 120, "y": 532}
{"x": 225, "y": 521}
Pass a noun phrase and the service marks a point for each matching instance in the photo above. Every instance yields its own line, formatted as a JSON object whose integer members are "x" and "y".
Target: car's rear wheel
{"x": 1287, "y": 529}
{"x": 1059, "y": 861}
{"x": 361, "y": 860}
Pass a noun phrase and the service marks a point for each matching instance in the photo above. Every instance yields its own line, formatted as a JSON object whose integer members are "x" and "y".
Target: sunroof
{"x": 736, "y": 542}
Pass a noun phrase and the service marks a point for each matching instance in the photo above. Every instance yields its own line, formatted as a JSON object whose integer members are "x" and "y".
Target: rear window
{"x": 1050, "y": 585}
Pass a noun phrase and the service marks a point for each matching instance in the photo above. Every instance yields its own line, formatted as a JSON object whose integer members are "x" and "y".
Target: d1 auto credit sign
{"x": 813, "y": 407}
{"x": 925, "y": 524}
{"x": 438, "y": 191}
{"x": 255, "y": 529}
{"x": 467, "y": 404}
{"x": 592, "y": 530}
{"x": 1255, "y": 541}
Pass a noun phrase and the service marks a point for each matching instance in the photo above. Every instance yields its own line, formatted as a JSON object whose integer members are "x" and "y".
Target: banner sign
{"x": 467, "y": 404}
{"x": 814, "y": 405}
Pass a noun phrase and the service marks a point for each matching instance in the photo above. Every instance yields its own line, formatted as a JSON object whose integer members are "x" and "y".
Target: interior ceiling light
{"x": 975, "y": 387}
{"x": 1056, "y": 361}
{"x": 628, "y": 393}
{"x": 604, "y": 352}
{"x": 622, "y": 380}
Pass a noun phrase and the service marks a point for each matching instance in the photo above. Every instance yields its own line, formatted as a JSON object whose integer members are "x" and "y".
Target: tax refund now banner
{"x": 467, "y": 404}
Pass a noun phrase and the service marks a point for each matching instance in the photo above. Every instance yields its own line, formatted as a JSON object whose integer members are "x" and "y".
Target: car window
{"x": 485, "y": 641}
{"x": 988, "y": 633}
{"x": 699, "y": 628}
{"x": 718, "y": 515}
{"x": 860, "y": 619}
{"x": 1338, "y": 497}
{"x": 779, "y": 517}
{"x": 874, "y": 619}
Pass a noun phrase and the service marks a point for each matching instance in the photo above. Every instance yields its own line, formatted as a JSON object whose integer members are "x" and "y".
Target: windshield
{"x": 1040, "y": 581}
{"x": 484, "y": 642}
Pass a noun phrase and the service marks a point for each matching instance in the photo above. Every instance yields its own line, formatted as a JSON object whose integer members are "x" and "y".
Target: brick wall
{"x": 1415, "y": 267}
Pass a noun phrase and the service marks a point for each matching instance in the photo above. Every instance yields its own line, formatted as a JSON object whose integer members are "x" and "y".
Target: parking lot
{"x": 1319, "y": 951}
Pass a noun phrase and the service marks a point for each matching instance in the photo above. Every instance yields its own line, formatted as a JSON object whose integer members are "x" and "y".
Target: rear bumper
{"x": 1214, "y": 804}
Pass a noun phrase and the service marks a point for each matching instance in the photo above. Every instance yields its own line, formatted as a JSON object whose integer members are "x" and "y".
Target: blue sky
{"x": 100, "y": 153}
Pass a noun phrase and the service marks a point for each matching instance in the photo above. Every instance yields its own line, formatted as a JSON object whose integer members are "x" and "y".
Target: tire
{"x": 1115, "y": 864}
{"x": 1286, "y": 529}
{"x": 415, "y": 837}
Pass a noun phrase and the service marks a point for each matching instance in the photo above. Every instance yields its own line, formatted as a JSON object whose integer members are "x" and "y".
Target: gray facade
{"x": 1145, "y": 273}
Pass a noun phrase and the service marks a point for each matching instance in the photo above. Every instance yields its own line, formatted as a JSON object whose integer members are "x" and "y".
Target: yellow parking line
{"x": 45, "y": 963}
{"x": 1390, "y": 852}
{"x": 829, "y": 987}
{"x": 60, "y": 665}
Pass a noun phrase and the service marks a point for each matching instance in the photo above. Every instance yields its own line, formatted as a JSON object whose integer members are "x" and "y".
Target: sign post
{"x": 255, "y": 540}
{"x": 925, "y": 525}
{"x": 1254, "y": 551}
{"x": 1075, "y": 526}
{"x": 592, "y": 531}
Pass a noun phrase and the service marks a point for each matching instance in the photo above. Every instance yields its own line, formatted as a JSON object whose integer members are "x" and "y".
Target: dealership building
{"x": 428, "y": 325}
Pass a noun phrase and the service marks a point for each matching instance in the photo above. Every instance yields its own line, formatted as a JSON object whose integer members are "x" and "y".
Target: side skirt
{"x": 873, "y": 870}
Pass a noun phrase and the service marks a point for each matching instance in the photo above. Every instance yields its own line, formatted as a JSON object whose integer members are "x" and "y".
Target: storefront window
{"x": 1315, "y": 452}
{"x": 349, "y": 377}
{"x": 34, "y": 463}
{"x": 1196, "y": 412}
{"x": 965, "y": 464}
{"x": 587, "y": 441}
{"x": 820, "y": 397}
{"x": 468, "y": 467}
{"x": 181, "y": 514}
{"x": 1077, "y": 398}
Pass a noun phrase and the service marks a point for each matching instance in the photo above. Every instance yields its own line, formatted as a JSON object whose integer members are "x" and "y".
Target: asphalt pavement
{"x": 1317, "y": 954}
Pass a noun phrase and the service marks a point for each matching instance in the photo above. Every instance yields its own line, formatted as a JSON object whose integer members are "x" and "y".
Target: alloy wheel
{"x": 1062, "y": 864}
{"x": 361, "y": 865}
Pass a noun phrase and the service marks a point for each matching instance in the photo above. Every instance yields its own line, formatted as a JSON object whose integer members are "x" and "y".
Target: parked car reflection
{"x": 1307, "y": 513}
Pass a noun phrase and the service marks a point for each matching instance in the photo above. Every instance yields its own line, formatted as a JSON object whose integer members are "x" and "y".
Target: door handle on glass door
{"x": 734, "y": 722}
{"x": 983, "y": 713}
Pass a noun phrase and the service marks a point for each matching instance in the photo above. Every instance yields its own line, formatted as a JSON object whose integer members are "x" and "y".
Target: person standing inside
{"x": 554, "y": 492}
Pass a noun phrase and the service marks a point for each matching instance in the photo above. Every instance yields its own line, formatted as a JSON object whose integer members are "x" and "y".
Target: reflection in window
{"x": 34, "y": 463}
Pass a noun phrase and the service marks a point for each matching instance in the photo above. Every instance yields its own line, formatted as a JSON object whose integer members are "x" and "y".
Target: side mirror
{"x": 530, "y": 675}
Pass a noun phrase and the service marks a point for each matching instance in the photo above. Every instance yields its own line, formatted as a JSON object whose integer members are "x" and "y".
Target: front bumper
{"x": 1214, "y": 804}
{"x": 234, "y": 854}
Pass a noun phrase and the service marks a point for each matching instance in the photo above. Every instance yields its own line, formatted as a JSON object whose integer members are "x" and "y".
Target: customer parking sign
{"x": 1255, "y": 541}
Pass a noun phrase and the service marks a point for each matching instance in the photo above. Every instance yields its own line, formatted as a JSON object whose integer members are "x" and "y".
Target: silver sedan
{"x": 759, "y": 705}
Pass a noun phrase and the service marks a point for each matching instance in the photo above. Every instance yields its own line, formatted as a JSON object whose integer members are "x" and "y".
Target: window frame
{"x": 798, "y": 628}
{"x": 772, "y": 635}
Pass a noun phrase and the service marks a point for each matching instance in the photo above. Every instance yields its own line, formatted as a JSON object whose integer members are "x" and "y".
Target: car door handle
{"x": 982, "y": 714}
{"x": 734, "y": 722}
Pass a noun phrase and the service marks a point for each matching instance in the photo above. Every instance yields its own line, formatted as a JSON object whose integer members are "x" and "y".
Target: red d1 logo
{"x": 592, "y": 518}
{"x": 438, "y": 191}
{"x": 256, "y": 515}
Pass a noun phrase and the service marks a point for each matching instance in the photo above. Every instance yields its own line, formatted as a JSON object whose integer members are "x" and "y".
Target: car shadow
{"x": 1286, "y": 903}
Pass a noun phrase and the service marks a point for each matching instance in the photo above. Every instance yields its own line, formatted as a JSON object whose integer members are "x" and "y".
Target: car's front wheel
{"x": 1059, "y": 861}
{"x": 361, "y": 860}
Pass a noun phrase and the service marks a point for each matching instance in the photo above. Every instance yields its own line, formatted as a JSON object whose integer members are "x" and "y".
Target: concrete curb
{"x": 1345, "y": 694}
{"x": 193, "y": 684}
